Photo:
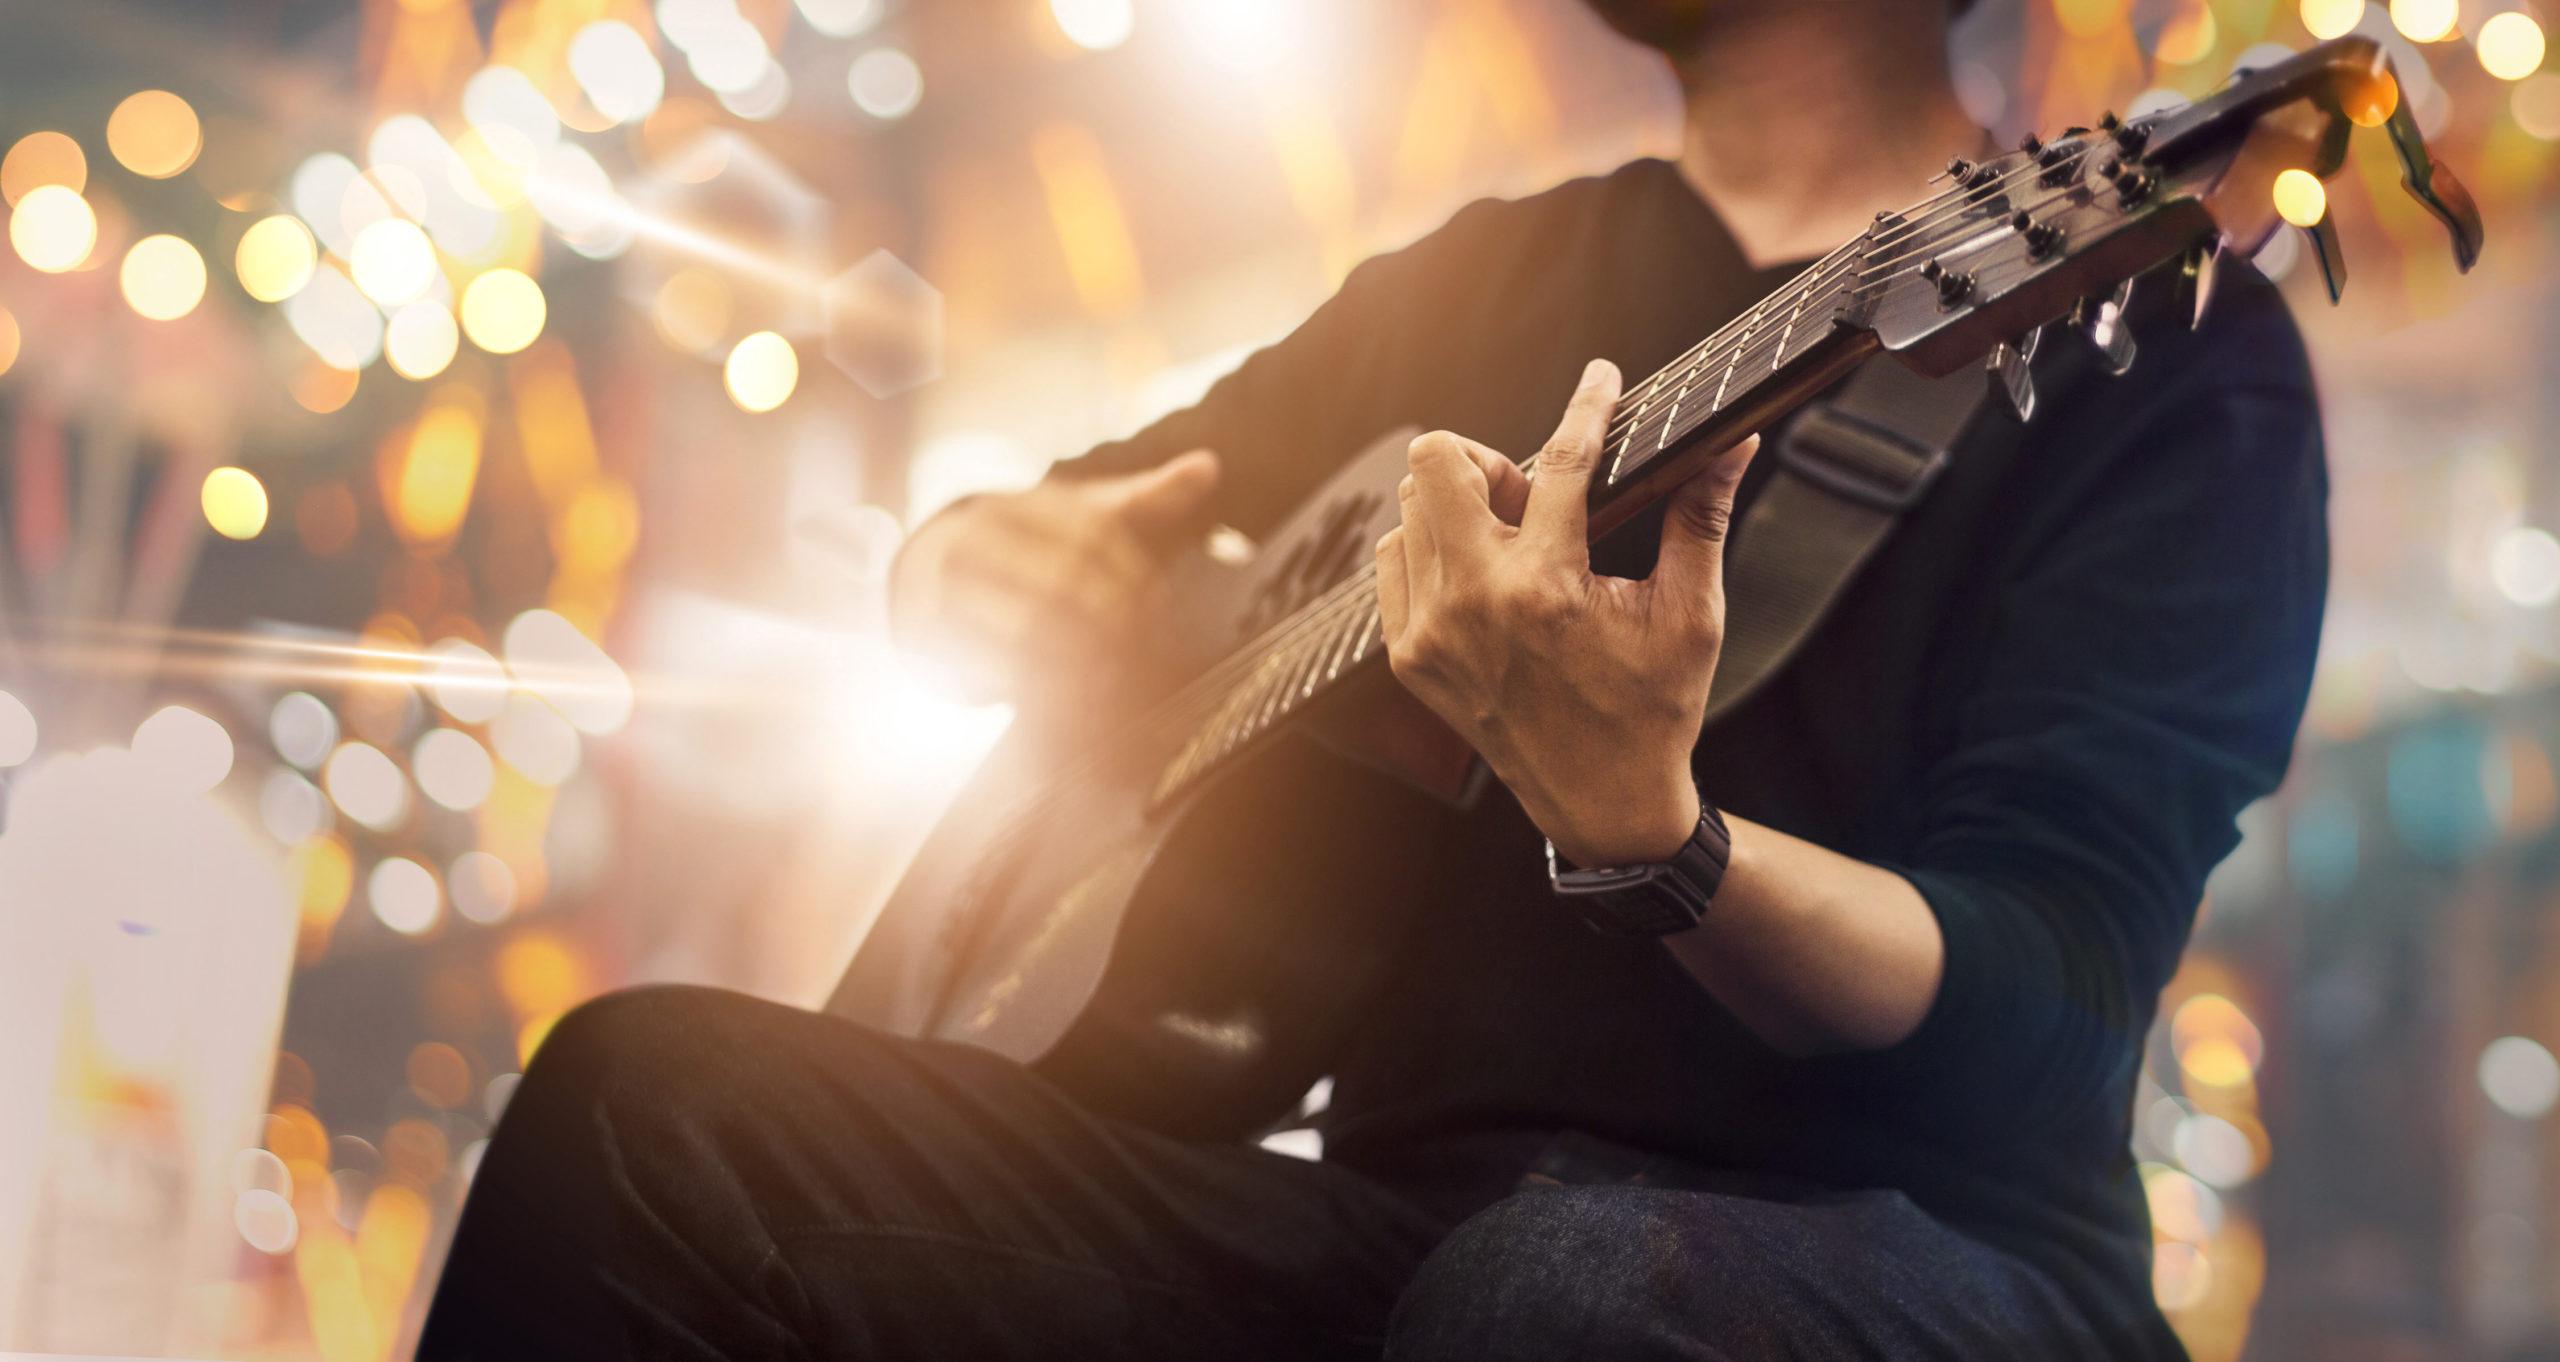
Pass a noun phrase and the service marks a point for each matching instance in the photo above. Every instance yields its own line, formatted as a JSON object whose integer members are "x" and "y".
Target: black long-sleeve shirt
{"x": 2044, "y": 703}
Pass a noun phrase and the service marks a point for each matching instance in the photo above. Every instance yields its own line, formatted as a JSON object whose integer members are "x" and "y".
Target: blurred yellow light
{"x": 53, "y": 228}
{"x": 327, "y": 874}
{"x": 2300, "y": 198}
{"x": 235, "y": 503}
{"x": 8, "y": 340}
{"x": 39, "y": 159}
{"x": 503, "y": 311}
{"x": 420, "y": 339}
{"x": 155, "y": 134}
{"x": 2216, "y": 1063}
{"x": 321, "y": 387}
{"x": 2189, "y": 37}
{"x": 2536, "y": 106}
{"x": 433, "y": 490}
{"x": 276, "y": 258}
{"x": 2331, "y": 18}
{"x": 2511, "y": 45}
{"x": 761, "y": 372}
{"x": 393, "y": 262}
{"x": 530, "y": 1036}
{"x": 539, "y": 975}
{"x": 163, "y": 277}
{"x": 692, "y": 310}
{"x": 2424, "y": 21}
{"x": 2368, "y": 103}
{"x": 2091, "y": 18}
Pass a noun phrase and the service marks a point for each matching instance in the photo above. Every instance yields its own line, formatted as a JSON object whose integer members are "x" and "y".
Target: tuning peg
{"x": 2011, "y": 380}
{"x": 2101, "y": 320}
{"x": 2333, "y": 262}
{"x": 2196, "y": 277}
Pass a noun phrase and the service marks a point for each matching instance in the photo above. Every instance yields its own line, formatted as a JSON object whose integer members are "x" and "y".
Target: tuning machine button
{"x": 2042, "y": 238}
{"x": 1954, "y": 286}
{"x": 2102, "y": 322}
{"x": 2012, "y": 381}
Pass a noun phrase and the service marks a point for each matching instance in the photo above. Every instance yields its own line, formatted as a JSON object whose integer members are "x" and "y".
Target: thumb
{"x": 1171, "y": 498}
{"x": 1694, "y": 529}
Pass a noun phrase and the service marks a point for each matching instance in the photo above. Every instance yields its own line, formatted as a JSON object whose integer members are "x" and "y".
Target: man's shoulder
{"x": 1492, "y": 231}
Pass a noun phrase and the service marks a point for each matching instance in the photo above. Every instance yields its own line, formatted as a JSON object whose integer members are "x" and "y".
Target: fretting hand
{"x": 1584, "y": 692}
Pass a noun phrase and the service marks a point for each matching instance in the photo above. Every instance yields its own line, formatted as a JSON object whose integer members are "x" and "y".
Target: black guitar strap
{"x": 1848, "y": 467}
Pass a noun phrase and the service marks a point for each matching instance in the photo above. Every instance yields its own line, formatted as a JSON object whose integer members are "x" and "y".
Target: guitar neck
{"x": 1756, "y": 368}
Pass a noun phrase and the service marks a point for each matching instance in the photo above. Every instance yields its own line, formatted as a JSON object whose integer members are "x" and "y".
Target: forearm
{"x": 1816, "y": 952}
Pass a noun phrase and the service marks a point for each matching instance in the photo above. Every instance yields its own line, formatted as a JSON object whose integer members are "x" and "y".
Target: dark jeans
{"x": 686, "y": 1173}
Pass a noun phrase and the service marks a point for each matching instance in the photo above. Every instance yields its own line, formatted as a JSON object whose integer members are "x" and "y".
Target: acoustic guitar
{"x": 1175, "y": 919}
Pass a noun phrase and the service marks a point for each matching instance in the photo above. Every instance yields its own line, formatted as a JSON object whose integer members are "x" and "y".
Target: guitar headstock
{"x": 2059, "y": 229}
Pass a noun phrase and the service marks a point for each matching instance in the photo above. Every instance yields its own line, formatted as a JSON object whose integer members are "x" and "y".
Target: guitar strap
{"x": 1848, "y": 468}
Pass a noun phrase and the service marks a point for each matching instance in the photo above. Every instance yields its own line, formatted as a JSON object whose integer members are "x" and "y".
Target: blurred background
{"x": 449, "y": 450}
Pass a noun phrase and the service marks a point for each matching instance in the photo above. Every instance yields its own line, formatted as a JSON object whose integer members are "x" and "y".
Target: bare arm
{"x": 1585, "y": 694}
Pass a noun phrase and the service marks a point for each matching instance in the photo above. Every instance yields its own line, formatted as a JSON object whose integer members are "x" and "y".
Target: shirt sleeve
{"x": 2142, "y": 684}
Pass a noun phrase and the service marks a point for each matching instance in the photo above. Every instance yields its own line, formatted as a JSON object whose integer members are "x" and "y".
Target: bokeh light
{"x": 503, "y": 311}
{"x": 53, "y": 228}
{"x": 533, "y": 738}
{"x": 2520, "y": 1077}
{"x": 2536, "y": 106}
{"x": 276, "y": 257}
{"x": 186, "y": 748}
{"x": 885, "y": 83}
{"x": 761, "y": 371}
{"x": 2300, "y": 198}
{"x": 841, "y": 18}
{"x": 482, "y": 887}
{"x": 39, "y": 159}
{"x": 403, "y": 894}
{"x": 302, "y": 729}
{"x": 2511, "y": 45}
{"x": 162, "y": 277}
{"x": 1097, "y": 25}
{"x": 235, "y": 503}
{"x": 420, "y": 339}
{"x": 154, "y": 134}
{"x": 366, "y": 786}
{"x": 2331, "y": 18}
{"x": 615, "y": 67}
{"x": 393, "y": 262}
{"x": 2524, "y": 564}
{"x": 453, "y": 769}
{"x": 2425, "y": 21}
{"x": 9, "y": 339}
{"x": 334, "y": 318}
{"x": 17, "y": 731}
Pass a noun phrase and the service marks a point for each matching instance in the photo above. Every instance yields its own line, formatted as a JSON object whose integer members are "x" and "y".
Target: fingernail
{"x": 1592, "y": 372}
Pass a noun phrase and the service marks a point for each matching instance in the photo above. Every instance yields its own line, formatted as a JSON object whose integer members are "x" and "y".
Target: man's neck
{"x": 1802, "y": 120}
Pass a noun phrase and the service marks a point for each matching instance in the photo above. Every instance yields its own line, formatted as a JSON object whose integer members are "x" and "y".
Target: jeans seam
{"x": 946, "y": 1239}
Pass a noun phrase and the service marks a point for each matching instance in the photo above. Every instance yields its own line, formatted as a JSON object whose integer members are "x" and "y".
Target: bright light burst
{"x": 885, "y": 83}
{"x": 162, "y": 277}
{"x": 53, "y": 228}
{"x": 393, "y": 262}
{"x": 1097, "y": 25}
{"x": 503, "y": 311}
{"x": 761, "y": 372}
{"x": 2511, "y": 45}
{"x": 276, "y": 257}
{"x": 235, "y": 503}
{"x": 2300, "y": 198}
{"x": 39, "y": 159}
{"x": 2328, "y": 19}
{"x": 2425, "y": 21}
{"x": 420, "y": 339}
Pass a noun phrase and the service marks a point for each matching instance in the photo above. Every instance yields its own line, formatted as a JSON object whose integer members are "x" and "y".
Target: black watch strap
{"x": 1649, "y": 900}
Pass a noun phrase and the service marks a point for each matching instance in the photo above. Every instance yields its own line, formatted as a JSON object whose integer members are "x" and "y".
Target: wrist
{"x": 1642, "y": 831}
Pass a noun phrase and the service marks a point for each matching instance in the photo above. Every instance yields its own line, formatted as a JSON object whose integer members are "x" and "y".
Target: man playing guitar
{"x": 1864, "y": 1091}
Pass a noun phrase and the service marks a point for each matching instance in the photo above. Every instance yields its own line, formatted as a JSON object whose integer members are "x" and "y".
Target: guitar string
{"x": 1219, "y": 685}
{"x": 1327, "y": 610}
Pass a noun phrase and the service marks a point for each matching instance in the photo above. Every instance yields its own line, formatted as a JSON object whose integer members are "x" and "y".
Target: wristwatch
{"x": 1649, "y": 900}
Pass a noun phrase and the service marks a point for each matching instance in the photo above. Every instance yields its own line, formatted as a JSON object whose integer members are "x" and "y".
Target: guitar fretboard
{"x": 1288, "y": 667}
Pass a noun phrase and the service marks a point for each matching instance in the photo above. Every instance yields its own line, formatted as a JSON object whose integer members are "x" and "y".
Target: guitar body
{"x": 1189, "y": 962}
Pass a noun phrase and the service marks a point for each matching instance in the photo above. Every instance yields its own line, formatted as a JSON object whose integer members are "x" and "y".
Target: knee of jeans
{"x": 1554, "y": 1272}
{"x": 650, "y": 1038}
